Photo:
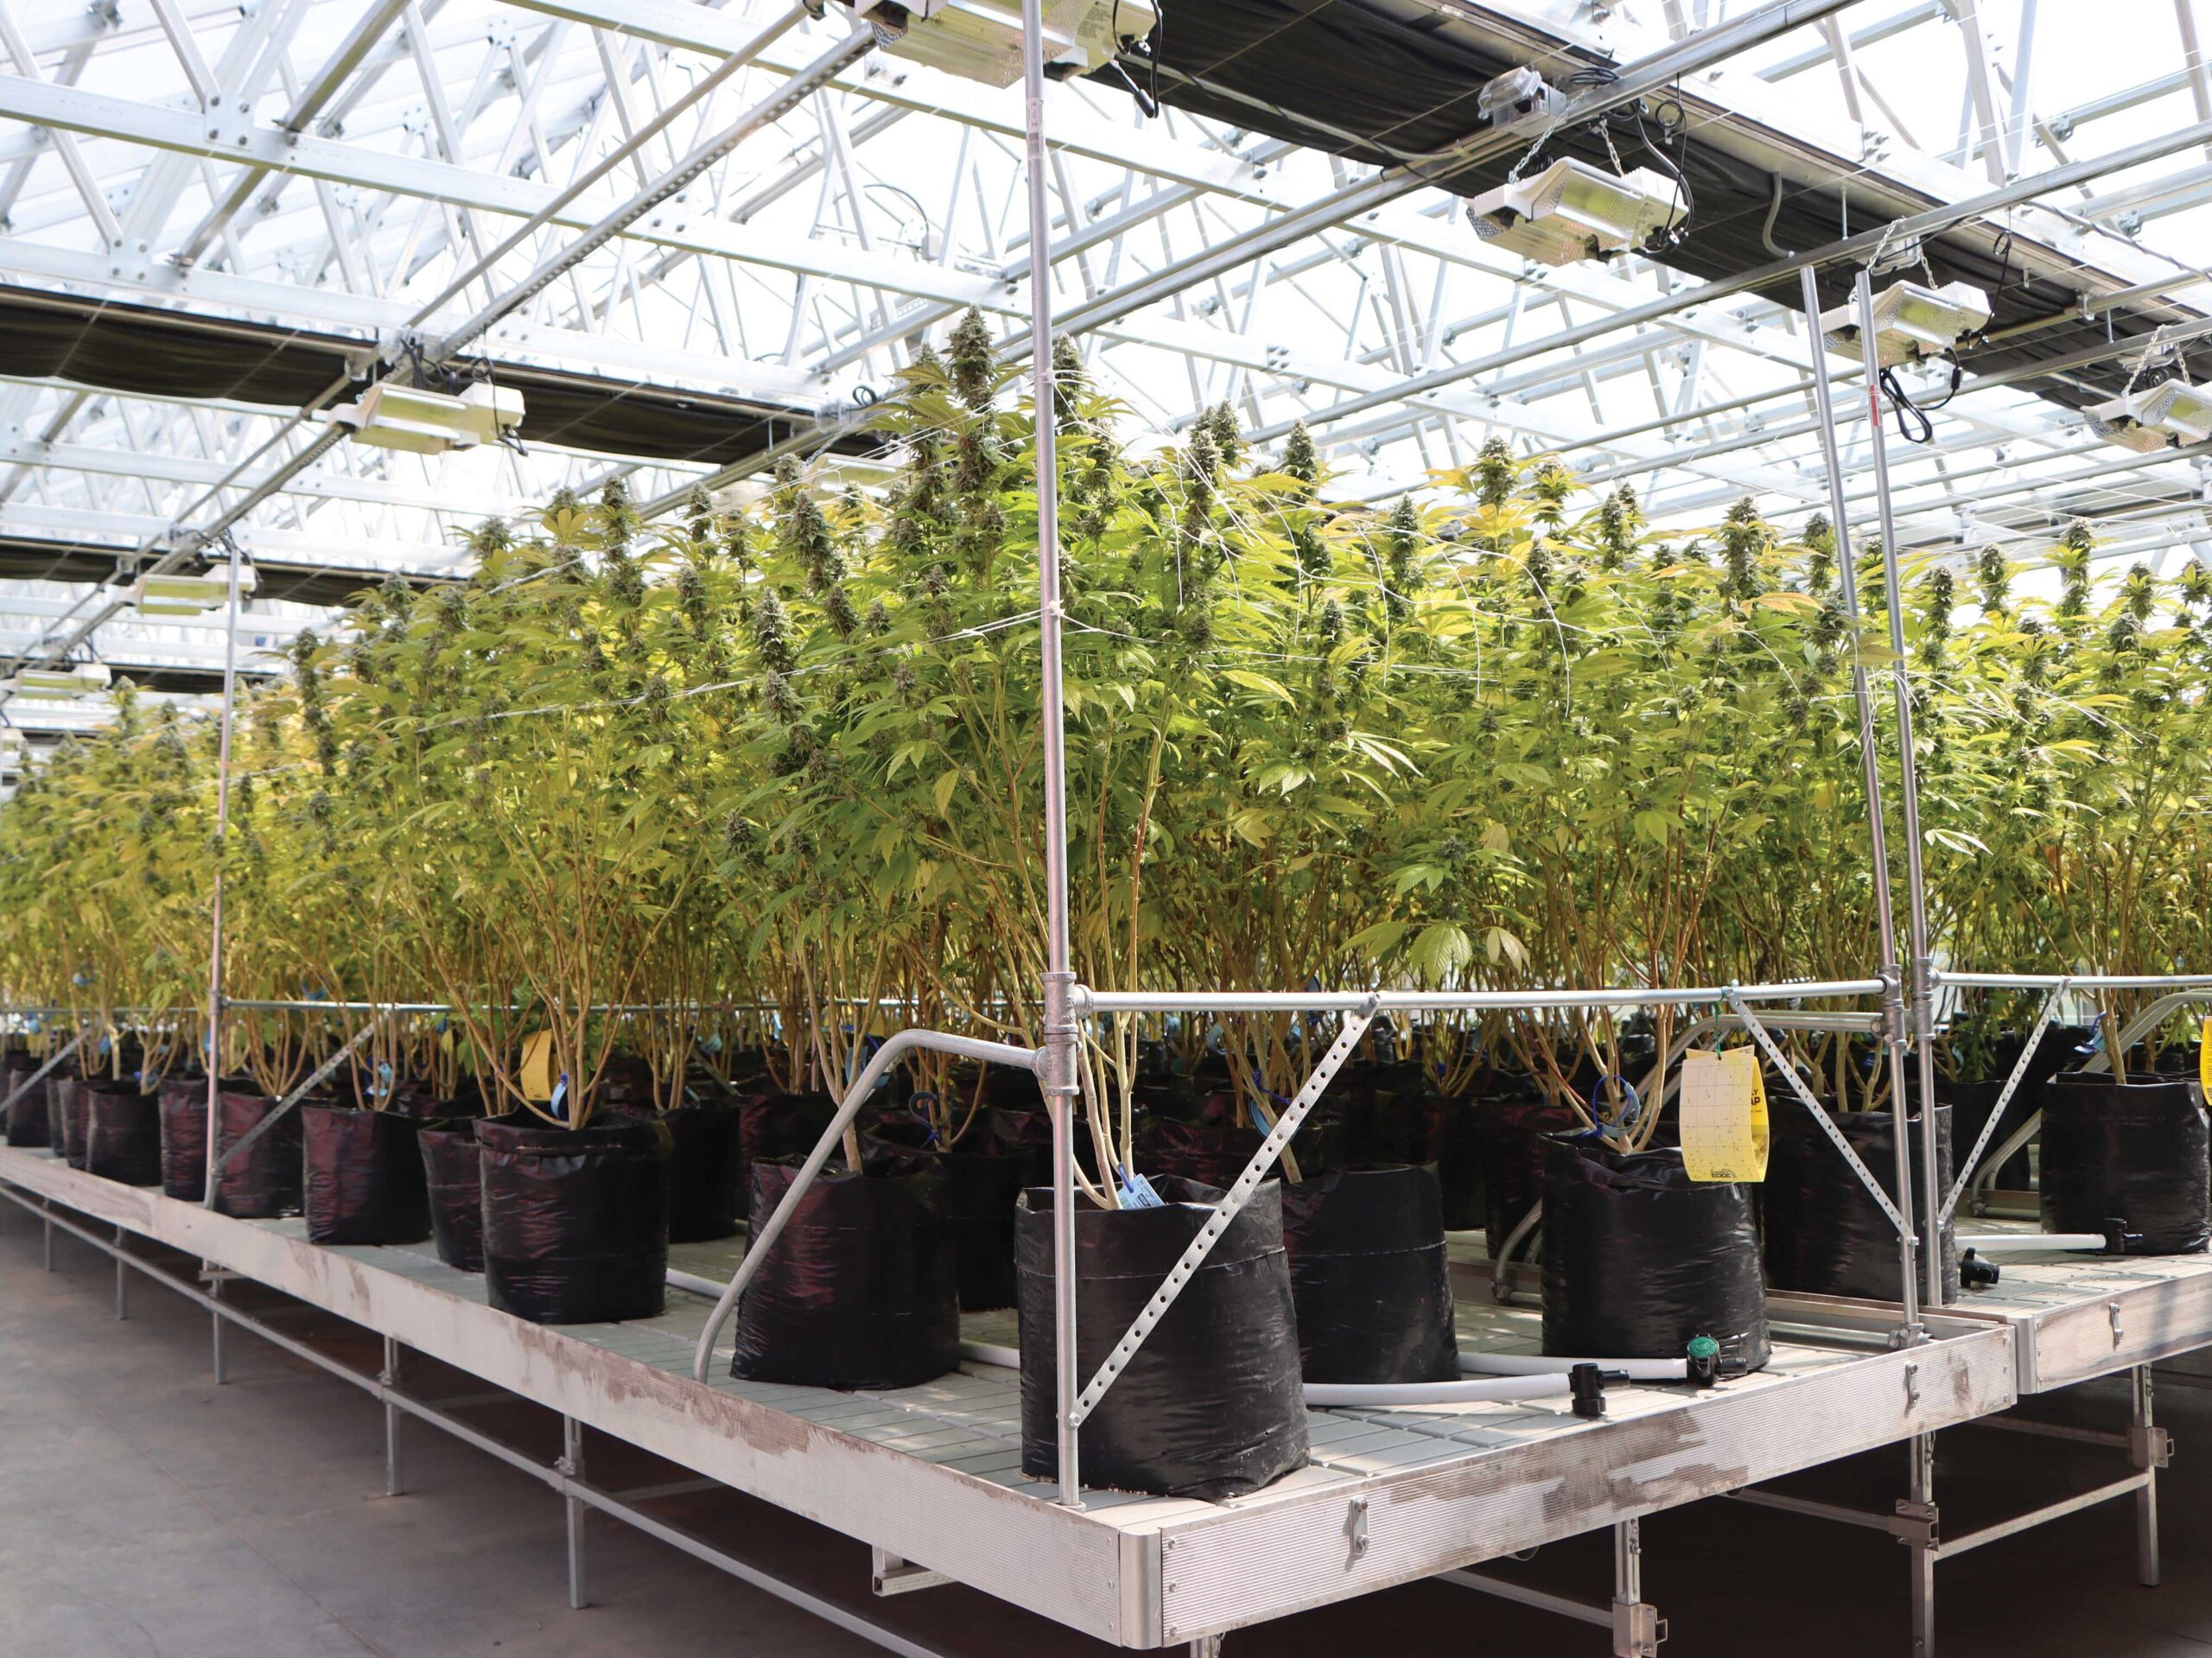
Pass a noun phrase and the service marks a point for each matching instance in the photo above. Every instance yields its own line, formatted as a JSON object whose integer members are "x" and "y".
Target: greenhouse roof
{"x": 218, "y": 222}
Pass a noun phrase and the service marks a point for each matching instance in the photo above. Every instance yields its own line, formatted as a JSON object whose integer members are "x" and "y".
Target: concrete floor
{"x": 145, "y": 1513}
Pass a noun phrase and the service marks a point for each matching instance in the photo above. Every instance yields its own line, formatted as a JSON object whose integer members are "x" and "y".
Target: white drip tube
{"x": 2007, "y": 1243}
{"x": 1548, "y": 1384}
{"x": 1326, "y": 1394}
{"x": 1473, "y": 1362}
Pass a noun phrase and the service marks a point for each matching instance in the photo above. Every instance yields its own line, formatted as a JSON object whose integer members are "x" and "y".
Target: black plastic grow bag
{"x": 1639, "y": 1260}
{"x": 981, "y": 1186}
{"x": 263, "y": 1181}
{"x": 1972, "y": 1100}
{"x": 1825, "y": 1236}
{"x": 183, "y": 1102}
{"x": 575, "y": 1220}
{"x": 26, "y": 1124}
{"x": 65, "y": 1118}
{"x": 1369, "y": 1276}
{"x": 363, "y": 1177}
{"x": 123, "y": 1134}
{"x": 1211, "y": 1406}
{"x": 1513, "y": 1162}
{"x": 2135, "y": 1153}
{"x": 861, "y": 1288}
{"x": 705, "y": 1166}
{"x": 1387, "y": 1114}
{"x": 453, "y": 1177}
{"x": 772, "y": 1127}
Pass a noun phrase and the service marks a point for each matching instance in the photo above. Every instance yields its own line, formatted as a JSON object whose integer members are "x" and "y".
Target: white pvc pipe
{"x": 1324, "y": 1394}
{"x": 1517, "y": 1384}
{"x": 693, "y": 1283}
{"x": 2005, "y": 1243}
{"x": 1473, "y": 1362}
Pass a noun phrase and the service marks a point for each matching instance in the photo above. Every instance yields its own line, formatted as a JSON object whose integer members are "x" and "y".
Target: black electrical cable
{"x": 1152, "y": 47}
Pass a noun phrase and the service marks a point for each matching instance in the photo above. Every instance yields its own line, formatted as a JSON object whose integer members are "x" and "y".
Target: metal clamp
{"x": 1916, "y": 1525}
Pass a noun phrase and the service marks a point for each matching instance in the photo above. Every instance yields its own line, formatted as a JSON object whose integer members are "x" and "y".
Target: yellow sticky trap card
{"x": 538, "y": 1066}
{"x": 2204, "y": 1057}
{"x": 1724, "y": 1115}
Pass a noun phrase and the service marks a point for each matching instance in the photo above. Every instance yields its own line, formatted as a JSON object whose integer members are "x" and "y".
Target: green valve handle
{"x": 1703, "y": 1365}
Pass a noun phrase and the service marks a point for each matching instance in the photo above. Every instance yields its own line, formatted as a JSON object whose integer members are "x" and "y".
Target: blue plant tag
{"x": 560, "y": 1092}
{"x": 1137, "y": 1193}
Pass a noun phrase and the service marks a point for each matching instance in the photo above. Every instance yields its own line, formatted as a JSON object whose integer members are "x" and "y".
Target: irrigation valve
{"x": 1572, "y": 212}
{"x": 981, "y": 40}
{"x": 2172, "y": 414}
{"x": 1912, "y": 321}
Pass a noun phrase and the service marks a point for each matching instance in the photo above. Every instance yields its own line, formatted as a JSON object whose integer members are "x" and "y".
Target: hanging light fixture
{"x": 1911, "y": 320}
{"x": 63, "y": 683}
{"x": 393, "y": 416}
{"x": 2171, "y": 415}
{"x": 188, "y": 595}
{"x": 1572, "y": 211}
{"x": 981, "y": 40}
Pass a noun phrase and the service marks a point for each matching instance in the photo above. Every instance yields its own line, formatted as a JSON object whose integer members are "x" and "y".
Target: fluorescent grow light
{"x": 1911, "y": 320}
{"x": 187, "y": 595}
{"x": 1571, "y": 212}
{"x": 2171, "y": 415}
{"x": 981, "y": 40}
{"x": 390, "y": 416}
{"x": 78, "y": 679}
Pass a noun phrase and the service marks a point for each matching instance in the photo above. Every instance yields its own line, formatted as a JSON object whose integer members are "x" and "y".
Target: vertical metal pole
{"x": 1922, "y": 1546}
{"x": 395, "y": 1479}
{"x": 48, "y": 1203}
{"x": 1923, "y": 990}
{"x": 215, "y": 907}
{"x": 2147, "y": 1453}
{"x": 572, "y": 1466}
{"x": 1885, "y": 918}
{"x": 1636, "y": 1630}
{"x": 215, "y": 1293}
{"x": 1059, "y": 1072}
{"x": 121, "y": 1278}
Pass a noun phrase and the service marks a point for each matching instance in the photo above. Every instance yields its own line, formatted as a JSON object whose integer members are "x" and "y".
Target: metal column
{"x": 1893, "y": 1007}
{"x": 216, "y": 1277}
{"x": 1923, "y": 988}
{"x": 121, "y": 1276}
{"x": 214, "y": 1056}
{"x": 1637, "y": 1627}
{"x": 1060, "y": 1073}
{"x": 571, "y": 1467}
{"x": 2149, "y": 1449}
{"x": 1918, "y": 1527}
{"x": 395, "y": 1477}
